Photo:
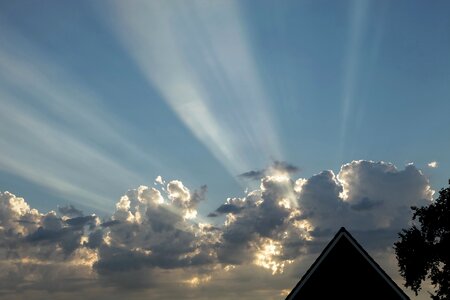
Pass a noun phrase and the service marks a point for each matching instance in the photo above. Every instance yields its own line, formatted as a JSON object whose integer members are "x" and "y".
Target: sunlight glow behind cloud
{"x": 148, "y": 243}
{"x": 100, "y": 97}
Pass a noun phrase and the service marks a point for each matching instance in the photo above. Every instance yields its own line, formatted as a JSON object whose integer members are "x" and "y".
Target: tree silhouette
{"x": 423, "y": 250}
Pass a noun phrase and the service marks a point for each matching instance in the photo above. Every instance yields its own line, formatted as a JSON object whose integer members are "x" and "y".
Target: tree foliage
{"x": 423, "y": 251}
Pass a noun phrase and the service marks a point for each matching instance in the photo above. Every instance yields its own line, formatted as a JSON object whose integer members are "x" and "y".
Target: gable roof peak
{"x": 358, "y": 251}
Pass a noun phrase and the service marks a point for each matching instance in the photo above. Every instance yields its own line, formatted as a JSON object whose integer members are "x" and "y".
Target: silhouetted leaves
{"x": 424, "y": 249}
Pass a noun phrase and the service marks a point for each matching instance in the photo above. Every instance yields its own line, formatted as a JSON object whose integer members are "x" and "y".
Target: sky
{"x": 209, "y": 149}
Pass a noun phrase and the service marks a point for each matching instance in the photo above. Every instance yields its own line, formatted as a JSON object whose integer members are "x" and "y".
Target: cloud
{"x": 433, "y": 164}
{"x": 228, "y": 208}
{"x": 276, "y": 167}
{"x": 152, "y": 230}
{"x": 82, "y": 221}
{"x": 155, "y": 240}
{"x": 40, "y": 252}
{"x": 70, "y": 211}
{"x": 366, "y": 204}
{"x": 257, "y": 174}
{"x": 159, "y": 180}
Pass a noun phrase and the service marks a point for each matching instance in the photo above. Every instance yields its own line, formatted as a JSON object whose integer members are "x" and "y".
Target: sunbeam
{"x": 41, "y": 139}
{"x": 57, "y": 160}
{"x": 206, "y": 149}
{"x": 199, "y": 60}
{"x": 51, "y": 87}
{"x": 357, "y": 26}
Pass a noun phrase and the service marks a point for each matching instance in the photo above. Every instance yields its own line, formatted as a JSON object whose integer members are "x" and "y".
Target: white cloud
{"x": 433, "y": 164}
{"x": 269, "y": 237}
{"x": 159, "y": 180}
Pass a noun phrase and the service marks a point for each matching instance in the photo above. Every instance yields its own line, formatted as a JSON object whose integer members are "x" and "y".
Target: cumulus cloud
{"x": 155, "y": 240}
{"x": 152, "y": 231}
{"x": 433, "y": 164}
{"x": 39, "y": 251}
{"x": 159, "y": 180}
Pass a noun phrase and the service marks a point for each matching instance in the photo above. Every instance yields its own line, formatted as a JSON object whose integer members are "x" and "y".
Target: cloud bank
{"x": 154, "y": 245}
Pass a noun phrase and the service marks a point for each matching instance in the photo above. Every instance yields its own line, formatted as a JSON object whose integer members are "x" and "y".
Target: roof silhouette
{"x": 344, "y": 270}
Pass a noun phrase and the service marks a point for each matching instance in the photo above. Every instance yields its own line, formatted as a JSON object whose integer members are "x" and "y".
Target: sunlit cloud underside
{"x": 155, "y": 242}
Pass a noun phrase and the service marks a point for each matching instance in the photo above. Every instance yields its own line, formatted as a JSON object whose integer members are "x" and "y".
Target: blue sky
{"x": 312, "y": 83}
{"x": 100, "y": 97}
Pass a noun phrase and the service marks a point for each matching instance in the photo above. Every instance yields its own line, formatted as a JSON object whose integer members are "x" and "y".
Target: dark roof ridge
{"x": 344, "y": 233}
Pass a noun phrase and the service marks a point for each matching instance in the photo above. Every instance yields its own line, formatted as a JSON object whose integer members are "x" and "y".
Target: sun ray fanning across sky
{"x": 209, "y": 149}
{"x": 198, "y": 58}
{"x": 63, "y": 131}
{"x": 358, "y": 15}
